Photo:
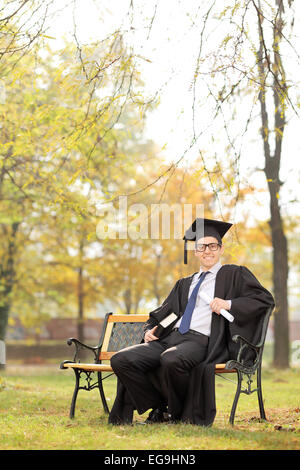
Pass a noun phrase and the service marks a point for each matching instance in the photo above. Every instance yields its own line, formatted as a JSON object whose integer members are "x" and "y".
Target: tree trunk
{"x": 127, "y": 300}
{"x": 80, "y": 299}
{"x": 156, "y": 279}
{"x": 280, "y": 282}
{"x": 7, "y": 279}
{"x": 4, "y": 313}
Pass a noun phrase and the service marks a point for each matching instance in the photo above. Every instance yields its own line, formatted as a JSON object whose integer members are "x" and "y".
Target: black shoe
{"x": 172, "y": 419}
{"x": 156, "y": 416}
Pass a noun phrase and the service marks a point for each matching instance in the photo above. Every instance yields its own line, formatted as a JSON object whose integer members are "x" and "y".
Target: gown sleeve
{"x": 170, "y": 304}
{"x": 252, "y": 300}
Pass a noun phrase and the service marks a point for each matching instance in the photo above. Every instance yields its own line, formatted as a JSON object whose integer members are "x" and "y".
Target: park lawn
{"x": 35, "y": 401}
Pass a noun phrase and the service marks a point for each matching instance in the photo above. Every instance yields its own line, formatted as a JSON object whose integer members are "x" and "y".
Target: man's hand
{"x": 149, "y": 335}
{"x": 217, "y": 304}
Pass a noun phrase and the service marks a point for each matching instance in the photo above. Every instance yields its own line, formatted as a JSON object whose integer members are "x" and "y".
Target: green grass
{"x": 35, "y": 401}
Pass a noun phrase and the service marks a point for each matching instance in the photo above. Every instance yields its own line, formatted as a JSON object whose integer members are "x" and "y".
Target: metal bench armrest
{"x": 79, "y": 346}
{"x": 241, "y": 339}
{"x": 240, "y": 363}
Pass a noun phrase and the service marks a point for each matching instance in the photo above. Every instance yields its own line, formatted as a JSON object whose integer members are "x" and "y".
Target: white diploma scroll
{"x": 223, "y": 312}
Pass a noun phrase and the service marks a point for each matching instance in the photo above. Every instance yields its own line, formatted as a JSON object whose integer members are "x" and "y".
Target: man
{"x": 173, "y": 372}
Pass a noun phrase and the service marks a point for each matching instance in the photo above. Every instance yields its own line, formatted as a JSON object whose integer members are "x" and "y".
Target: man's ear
{"x": 222, "y": 249}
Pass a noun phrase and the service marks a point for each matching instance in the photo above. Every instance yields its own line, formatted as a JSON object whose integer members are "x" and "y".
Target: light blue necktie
{"x": 187, "y": 316}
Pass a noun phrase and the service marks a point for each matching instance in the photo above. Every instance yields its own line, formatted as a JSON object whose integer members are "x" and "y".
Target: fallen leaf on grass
{"x": 256, "y": 419}
{"x": 278, "y": 427}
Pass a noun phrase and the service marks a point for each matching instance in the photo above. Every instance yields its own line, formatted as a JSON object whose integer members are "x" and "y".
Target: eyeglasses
{"x": 211, "y": 246}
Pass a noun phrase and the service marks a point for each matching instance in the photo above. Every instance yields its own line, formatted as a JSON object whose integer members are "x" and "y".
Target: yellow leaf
{"x": 75, "y": 176}
{"x": 48, "y": 37}
{"x": 30, "y": 179}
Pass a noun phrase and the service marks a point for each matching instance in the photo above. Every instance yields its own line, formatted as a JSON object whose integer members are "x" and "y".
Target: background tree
{"x": 58, "y": 131}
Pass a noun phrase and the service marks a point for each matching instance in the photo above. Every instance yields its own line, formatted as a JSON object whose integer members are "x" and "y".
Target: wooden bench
{"x": 121, "y": 331}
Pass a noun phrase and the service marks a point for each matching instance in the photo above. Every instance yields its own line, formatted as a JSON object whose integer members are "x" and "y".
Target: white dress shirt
{"x": 201, "y": 318}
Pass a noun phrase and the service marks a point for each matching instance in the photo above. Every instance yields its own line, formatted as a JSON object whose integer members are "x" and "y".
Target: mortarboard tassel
{"x": 185, "y": 251}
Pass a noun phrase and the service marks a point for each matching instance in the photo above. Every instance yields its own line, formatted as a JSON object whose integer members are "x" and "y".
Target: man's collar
{"x": 214, "y": 269}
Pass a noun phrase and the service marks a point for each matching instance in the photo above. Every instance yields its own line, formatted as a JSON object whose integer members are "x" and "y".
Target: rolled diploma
{"x": 223, "y": 312}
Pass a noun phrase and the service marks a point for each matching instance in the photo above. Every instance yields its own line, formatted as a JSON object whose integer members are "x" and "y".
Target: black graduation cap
{"x": 205, "y": 228}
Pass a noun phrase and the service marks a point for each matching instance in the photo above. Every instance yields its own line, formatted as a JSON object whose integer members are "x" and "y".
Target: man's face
{"x": 208, "y": 258}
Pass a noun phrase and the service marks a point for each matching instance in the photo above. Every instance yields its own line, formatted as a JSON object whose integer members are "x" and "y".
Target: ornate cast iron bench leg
{"x": 75, "y": 393}
{"x": 259, "y": 395}
{"x": 236, "y": 398}
{"x": 248, "y": 391}
{"x": 102, "y": 394}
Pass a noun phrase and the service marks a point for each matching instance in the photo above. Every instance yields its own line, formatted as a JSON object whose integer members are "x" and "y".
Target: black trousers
{"x": 172, "y": 357}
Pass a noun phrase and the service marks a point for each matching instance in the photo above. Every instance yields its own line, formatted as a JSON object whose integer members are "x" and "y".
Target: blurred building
{"x": 55, "y": 329}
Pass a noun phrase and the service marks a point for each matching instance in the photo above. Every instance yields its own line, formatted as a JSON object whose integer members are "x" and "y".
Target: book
{"x": 165, "y": 323}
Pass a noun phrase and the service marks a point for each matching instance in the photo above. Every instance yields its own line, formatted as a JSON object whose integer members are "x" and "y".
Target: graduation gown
{"x": 249, "y": 301}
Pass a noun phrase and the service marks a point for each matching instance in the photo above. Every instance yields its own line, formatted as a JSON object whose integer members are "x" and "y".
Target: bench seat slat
{"x": 219, "y": 368}
{"x": 92, "y": 367}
